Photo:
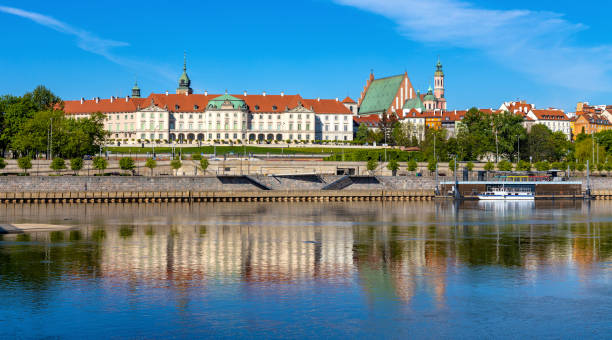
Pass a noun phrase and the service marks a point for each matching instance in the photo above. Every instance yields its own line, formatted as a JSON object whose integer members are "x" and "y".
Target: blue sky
{"x": 549, "y": 53}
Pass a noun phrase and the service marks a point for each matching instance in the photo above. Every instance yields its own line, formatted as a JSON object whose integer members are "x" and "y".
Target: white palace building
{"x": 186, "y": 117}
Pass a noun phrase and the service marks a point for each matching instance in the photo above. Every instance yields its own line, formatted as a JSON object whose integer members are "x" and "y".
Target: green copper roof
{"x": 429, "y": 96}
{"x": 414, "y": 103}
{"x": 217, "y": 102}
{"x": 380, "y": 95}
{"x": 135, "y": 86}
{"x": 184, "y": 81}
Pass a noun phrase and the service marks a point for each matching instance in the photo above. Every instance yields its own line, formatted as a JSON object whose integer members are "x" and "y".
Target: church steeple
{"x": 135, "y": 90}
{"x": 184, "y": 81}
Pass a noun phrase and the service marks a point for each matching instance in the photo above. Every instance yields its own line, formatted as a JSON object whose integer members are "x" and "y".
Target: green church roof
{"x": 380, "y": 94}
{"x": 414, "y": 103}
{"x": 217, "y": 102}
{"x": 429, "y": 96}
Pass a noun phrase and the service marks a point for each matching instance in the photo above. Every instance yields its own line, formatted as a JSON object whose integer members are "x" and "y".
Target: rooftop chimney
{"x": 82, "y": 100}
{"x": 205, "y": 92}
{"x": 112, "y": 99}
{"x": 97, "y": 100}
{"x": 282, "y": 94}
{"x": 127, "y": 98}
{"x": 186, "y": 93}
{"x": 318, "y": 99}
{"x": 264, "y": 93}
{"x": 245, "y": 93}
{"x": 336, "y": 98}
{"x": 166, "y": 93}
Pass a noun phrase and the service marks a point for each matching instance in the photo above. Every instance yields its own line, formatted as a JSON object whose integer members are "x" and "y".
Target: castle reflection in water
{"x": 395, "y": 249}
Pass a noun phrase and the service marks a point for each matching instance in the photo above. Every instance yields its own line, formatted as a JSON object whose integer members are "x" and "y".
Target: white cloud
{"x": 88, "y": 41}
{"x": 537, "y": 43}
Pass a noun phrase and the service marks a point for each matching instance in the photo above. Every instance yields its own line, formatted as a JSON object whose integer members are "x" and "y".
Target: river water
{"x": 309, "y": 270}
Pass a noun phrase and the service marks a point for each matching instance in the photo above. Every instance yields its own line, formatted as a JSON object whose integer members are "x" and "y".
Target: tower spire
{"x": 184, "y": 81}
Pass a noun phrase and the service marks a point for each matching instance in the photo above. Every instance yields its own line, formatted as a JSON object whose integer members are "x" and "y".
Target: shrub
{"x": 176, "y": 164}
{"x": 393, "y": 166}
{"x": 372, "y": 165}
{"x": 558, "y": 166}
{"x": 2, "y": 163}
{"x": 25, "y": 163}
{"x": 542, "y": 166}
{"x": 196, "y": 157}
{"x": 580, "y": 167}
{"x": 127, "y": 164}
{"x": 523, "y": 166}
{"x": 58, "y": 164}
{"x": 504, "y": 165}
{"x": 451, "y": 165}
{"x": 432, "y": 165}
{"x": 412, "y": 165}
{"x": 204, "y": 164}
{"x": 489, "y": 166}
{"x": 151, "y": 164}
{"x": 76, "y": 164}
{"x": 100, "y": 163}
{"x": 469, "y": 166}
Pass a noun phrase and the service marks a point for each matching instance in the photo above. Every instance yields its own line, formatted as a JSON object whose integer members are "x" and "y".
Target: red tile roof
{"x": 550, "y": 114}
{"x": 104, "y": 105}
{"x": 348, "y": 100}
{"x": 371, "y": 120}
{"x": 199, "y": 102}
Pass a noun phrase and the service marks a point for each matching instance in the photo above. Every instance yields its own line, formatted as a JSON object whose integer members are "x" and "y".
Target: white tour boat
{"x": 501, "y": 194}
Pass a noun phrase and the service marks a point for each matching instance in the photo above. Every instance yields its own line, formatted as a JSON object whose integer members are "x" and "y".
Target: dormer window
{"x": 176, "y": 107}
{"x": 195, "y": 107}
{"x": 274, "y": 107}
{"x": 256, "y": 107}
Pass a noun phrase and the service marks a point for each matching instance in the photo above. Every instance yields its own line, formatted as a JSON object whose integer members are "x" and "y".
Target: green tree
{"x": 362, "y": 133}
{"x": 474, "y": 135}
{"x": 2, "y": 163}
{"x": 371, "y": 165}
{"x": 127, "y": 164}
{"x": 176, "y": 164}
{"x": 100, "y": 164}
{"x": 558, "y": 166}
{"x": 25, "y": 163}
{"x": 412, "y": 165}
{"x": 489, "y": 166}
{"x": 523, "y": 166}
{"x": 151, "y": 164}
{"x": 510, "y": 133}
{"x": 76, "y": 164}
{"x": 451, "y": 165}
{"x": 504, "y": 165}
{"x": 432, "y": 165}
{"x": 542, "y": 166}
{"x": 58, "y": 164}
{"x": 470, "y": 166}
{"x": 204, "y": 164}
{"x": 393, "y": 166}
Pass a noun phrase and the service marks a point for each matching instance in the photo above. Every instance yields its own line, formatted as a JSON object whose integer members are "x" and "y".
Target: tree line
{"x": 482, "y": 137}
{"x": 34, "y": 125}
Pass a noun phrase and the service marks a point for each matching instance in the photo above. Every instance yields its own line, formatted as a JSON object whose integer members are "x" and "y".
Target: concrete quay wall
{"x": 200, "y": 183}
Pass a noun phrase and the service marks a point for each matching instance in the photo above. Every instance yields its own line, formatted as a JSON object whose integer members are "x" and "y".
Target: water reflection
{"x": 396, "y": 255}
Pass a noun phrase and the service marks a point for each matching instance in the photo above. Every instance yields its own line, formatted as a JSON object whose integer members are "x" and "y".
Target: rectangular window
{"x": 299, "y": 126}
{"x": 336, "y": 127}
{"x": 190, "y": 126}
{"x": 278, "y": 126}
{"x": 235, "y": 126}
{"x": 143, "y": 136}
{"x": 345, "y": 127}
{"x": 307, "y": 126}
{"x": 290, "y": 126}
{"x": 142, "y": 125}
{"x": 218, "y": 125}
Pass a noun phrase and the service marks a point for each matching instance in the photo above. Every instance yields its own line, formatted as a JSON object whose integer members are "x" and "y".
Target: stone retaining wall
{"x": 200, "y": 183}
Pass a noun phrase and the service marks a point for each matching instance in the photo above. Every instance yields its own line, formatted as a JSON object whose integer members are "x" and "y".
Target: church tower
{"x": 184, "y": 81}
{"x": 439, "y": 87}
{"x": 135, "y": 91}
